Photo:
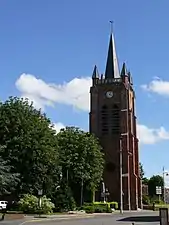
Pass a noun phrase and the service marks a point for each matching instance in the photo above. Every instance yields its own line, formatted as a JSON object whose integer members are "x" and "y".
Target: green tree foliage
{"x": 30, "y": 145}
{"x": 30, "y": 204}
{"x": 141, "y": 170}
{"x": 81, "y": 158}
{"x": 145, "y": 180}
{"x": 8, "y": 180}
{"x": 153, "y": 182}
{"x": 63, "y": 198}
{"x": 142, "y": 174}
{"x": 146, "y": 200}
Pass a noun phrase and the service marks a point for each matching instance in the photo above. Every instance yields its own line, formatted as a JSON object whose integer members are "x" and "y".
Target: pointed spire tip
{"x": 112, "y": 68}
{"x": 95, "y": 72}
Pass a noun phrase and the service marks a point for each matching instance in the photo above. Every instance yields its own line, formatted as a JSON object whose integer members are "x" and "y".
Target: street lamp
{"x": 164, "y": 173}
{"x": 40, "y": 194}
{"x": 57, "y": 188}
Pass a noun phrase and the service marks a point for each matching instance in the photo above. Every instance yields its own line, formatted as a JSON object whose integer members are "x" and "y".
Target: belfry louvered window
{"x": 105, "y": 120}
{"x": 115, "y": 119}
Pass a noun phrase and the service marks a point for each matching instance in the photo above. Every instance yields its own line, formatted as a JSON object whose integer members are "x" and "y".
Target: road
{"x": 138, "y": 218}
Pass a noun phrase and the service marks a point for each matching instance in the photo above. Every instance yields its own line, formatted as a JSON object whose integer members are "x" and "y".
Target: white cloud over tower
{"x": 75, "y": 93}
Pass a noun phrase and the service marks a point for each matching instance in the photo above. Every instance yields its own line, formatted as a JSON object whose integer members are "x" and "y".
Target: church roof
{"x": 124, "y": 70}
{"x": 95, "y": 72}
{"x": 112, "y": 68}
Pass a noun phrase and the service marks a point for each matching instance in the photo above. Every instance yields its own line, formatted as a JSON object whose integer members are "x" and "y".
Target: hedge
{"x": 99, "y": 207}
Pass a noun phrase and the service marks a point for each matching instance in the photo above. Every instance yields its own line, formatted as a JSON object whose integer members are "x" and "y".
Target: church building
{"x": 113, "y": 121}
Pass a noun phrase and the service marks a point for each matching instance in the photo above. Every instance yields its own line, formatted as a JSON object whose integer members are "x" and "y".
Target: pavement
{"x": 127, "y": 218}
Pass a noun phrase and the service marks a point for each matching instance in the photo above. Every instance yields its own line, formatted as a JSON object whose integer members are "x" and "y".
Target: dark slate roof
{"x": 112, "y": 68}
{"x": 95, "y": 72}
{"x": 124, "y": 70}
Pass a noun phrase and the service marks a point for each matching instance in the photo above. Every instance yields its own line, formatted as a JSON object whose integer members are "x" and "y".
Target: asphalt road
{"x": 138, "y": 218}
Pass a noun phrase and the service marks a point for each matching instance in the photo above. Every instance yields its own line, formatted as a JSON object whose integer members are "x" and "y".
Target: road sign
{"x": 158, "y": 190}
{"x": 40, "y": 192}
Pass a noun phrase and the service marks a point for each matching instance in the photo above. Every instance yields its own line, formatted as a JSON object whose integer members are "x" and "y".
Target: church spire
{"x": 95, "y": 73}
{"x": 112, "y": 68}
{"x": 124, "y": 70}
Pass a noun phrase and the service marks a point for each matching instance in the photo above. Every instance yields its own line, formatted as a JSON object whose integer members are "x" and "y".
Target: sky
{"x": 48, "y": 50}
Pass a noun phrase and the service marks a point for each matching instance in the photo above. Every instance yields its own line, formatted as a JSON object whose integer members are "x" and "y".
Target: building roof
{"x": 112, "y": 68}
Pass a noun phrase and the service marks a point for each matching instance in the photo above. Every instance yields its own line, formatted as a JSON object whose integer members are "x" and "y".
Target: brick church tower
{"x": 113, "y": 121}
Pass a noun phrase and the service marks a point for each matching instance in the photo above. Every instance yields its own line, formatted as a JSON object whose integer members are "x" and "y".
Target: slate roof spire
{"x": 95, "y": 73}
{"x": 124, "y": 70}
{"x": 112, "y": 67}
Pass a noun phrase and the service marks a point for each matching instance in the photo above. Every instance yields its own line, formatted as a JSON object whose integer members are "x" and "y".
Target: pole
{"x": 121, "y": 178}
{"x": 103, "y": 191}
{"x": 164, "y": 185}
{"x": 159, "y": 199}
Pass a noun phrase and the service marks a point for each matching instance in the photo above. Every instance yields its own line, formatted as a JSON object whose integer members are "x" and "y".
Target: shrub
{"x": 89, "y": 208}
{"x": 146, "y": 200}
{"x": 102, "y": 209}
{"x": 110, "y": 205}
{"x": 30, "y": 204}
{"x": 113, "y": 205}
{"x": 155, "y": 199}
{"x": 98, "y": 207}
{"x": 64, "y": 200}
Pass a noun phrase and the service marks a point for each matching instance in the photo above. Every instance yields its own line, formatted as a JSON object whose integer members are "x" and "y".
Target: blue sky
{"x": 48, "y": 50}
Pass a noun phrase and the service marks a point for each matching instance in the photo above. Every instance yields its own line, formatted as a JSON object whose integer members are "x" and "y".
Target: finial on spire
{"x": 112, "y": 67}
{"x": 111, "y": 26}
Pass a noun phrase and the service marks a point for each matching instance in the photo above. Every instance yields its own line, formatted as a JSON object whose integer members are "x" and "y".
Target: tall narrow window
{"x": 115, "y": 119}
{"x": 104, "y": 120}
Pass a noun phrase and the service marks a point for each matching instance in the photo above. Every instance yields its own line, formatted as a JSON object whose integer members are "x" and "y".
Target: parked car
{"x": 3, "y": 204}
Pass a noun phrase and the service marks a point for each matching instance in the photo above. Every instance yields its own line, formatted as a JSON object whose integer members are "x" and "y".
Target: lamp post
{"x": 163, "y": 185}
{"x": 164, "y": 193}
{"x": 40, "y": 194}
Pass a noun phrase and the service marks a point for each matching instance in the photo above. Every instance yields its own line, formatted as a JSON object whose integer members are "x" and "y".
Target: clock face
{"x": 109, "y": 94}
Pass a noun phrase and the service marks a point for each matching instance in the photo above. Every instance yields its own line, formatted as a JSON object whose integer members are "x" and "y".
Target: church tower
{"x": 113, "y": 121}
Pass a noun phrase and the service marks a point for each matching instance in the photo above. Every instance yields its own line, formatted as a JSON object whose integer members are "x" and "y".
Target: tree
{"x": 8, "y": 180}
{"x": 153, "y": 182}
{"x": 63, "y": 198}
{"x": 145, "y": 180}
{"x": 81, "y": 160}
{"x": 30, "y": 145}
{"x": 142, "y": 174}
{"x": 141, "y": 170}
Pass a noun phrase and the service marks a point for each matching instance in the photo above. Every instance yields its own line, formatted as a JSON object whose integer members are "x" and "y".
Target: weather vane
{"x": 111, "y": 25}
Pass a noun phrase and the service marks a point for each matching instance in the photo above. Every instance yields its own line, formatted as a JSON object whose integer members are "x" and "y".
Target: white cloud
{"x": 148, "y": 135}
{"x": 158, "y": 86}
{"x": 74, "y": 93}
{"x": 58, "y": 126}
